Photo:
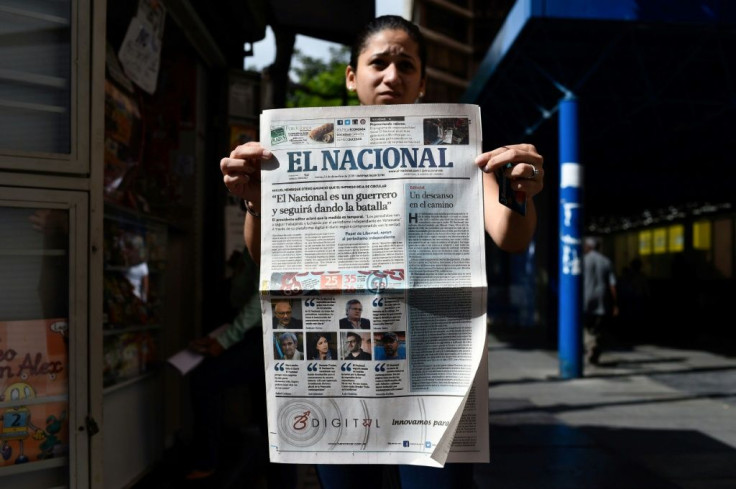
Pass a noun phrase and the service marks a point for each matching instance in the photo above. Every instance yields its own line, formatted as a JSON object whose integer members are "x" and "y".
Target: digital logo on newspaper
{"x": 302, "y": 423}
{"x": 296, "y": 423}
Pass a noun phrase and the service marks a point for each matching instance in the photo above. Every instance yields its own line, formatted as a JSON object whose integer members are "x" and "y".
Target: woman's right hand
{"x": 242, "y": 171}
{"x": 207, "y": 346}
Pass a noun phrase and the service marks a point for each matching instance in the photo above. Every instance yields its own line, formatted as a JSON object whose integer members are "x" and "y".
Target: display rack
{"x": 134, "y": 292}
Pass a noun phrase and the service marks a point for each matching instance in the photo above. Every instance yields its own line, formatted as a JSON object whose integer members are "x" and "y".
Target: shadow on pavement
{"x": 554, "y": 456}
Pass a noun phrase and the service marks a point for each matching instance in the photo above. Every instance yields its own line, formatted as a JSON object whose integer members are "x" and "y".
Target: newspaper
{"x": 374, "y": 214}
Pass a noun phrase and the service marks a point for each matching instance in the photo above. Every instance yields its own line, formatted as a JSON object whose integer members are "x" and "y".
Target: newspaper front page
{"x": 373, "y": 285}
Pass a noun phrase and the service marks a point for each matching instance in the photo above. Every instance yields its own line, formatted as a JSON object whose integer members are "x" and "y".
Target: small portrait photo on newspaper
{"x": 390, "y": 345}
{"x": 354, "y": 316}
{"x": 446, "y": 130}
{"x": 356, "y": 345}
{"x": 322, "y": 346}
{"x": 286, "y": 313}
{"x": 288, "y": 345}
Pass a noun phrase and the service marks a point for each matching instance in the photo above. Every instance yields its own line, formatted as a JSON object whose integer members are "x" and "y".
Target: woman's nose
{"x": 390, "y": 74}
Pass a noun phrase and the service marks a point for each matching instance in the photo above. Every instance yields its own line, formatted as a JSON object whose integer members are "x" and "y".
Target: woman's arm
{"x": 252, "y": 232}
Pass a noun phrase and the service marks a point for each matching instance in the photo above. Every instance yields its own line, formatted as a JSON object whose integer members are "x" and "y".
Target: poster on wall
{"x": 243, "y": 94}
{"x": 33, "y": 391}
{"x": 140, "y": 52}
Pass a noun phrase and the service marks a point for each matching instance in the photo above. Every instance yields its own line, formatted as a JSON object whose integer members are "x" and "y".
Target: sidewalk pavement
{"x": 647, "y": 417}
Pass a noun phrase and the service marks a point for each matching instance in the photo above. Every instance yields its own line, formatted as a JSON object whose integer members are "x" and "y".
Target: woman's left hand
{"x": 520, "y": 162}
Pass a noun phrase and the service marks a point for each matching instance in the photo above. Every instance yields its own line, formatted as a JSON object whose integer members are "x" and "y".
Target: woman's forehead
{"x": 392, "y": 42}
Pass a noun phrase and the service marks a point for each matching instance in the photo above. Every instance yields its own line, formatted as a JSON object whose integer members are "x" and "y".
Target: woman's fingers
{"x": 242, "y": 185}
{"x": 251, "y": 150}
{"x": 509, "y": 156}
{"x": 238, "y": 166}
{"x": 241, "y": 170}
{"x": 244, "y": 159}
{"x": 521, "y": 164}
{"x": 525, "y": 171}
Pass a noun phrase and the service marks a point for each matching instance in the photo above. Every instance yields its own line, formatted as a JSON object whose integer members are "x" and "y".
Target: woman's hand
{"x": 520, "y": 162}
{"x": 242, "y": 171}
{"x": 206, "y": 346}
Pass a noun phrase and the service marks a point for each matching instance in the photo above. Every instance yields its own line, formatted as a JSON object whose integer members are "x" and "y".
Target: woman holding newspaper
{"x": 387, "y": 66}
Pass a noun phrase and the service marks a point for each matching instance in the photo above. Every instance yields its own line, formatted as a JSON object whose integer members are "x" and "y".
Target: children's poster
{"x": 33, "y": 391}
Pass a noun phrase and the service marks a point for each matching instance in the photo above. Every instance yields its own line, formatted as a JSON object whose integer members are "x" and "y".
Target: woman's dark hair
{"x": 389, "y": 22}
{"x": 314, "y": 353}
{"x": 316, "y": 338}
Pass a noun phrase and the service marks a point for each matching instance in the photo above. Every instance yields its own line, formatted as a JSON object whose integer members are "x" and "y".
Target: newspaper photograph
{"x": 373, "y": 285}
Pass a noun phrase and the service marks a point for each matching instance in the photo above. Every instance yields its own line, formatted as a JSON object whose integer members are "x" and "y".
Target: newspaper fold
{"x": 373, "y": 285}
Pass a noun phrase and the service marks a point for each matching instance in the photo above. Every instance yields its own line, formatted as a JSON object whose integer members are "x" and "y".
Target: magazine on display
{"x": 373, "y": 285}
{"x": 34, "y": 392}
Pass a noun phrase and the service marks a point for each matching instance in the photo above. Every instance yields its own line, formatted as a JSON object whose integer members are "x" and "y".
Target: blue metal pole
{"x": 570, "y": 222}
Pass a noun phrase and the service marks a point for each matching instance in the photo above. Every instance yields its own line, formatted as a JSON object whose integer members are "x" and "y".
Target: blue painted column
{"x": 570, "y": 222}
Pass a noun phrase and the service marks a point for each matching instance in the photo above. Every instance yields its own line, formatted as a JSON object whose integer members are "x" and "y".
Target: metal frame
{"x": 78, "y": 160}
{"x": 76, "y": 204}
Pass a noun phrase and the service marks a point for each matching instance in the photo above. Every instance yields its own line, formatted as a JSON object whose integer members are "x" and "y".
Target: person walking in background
{"x": 232, "y": 358}
{"x": 600, "y": 301}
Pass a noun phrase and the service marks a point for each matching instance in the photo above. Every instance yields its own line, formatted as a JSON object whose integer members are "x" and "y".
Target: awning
{"x": 656, "y": 86}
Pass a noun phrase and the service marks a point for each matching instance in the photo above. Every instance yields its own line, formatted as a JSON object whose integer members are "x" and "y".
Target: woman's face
{"x": 389, "y": 70}
{"x": 322, "y": 345}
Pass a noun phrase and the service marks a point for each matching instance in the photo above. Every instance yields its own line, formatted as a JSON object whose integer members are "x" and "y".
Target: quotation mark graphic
{"x": 312, "y": 367}
{"x": 381, "y": 367}
{"x": 310, "y": 302}
{"x": 346, "y": 367}
{"x": 378, "y": 302}
{"x": 279, "y": 367}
